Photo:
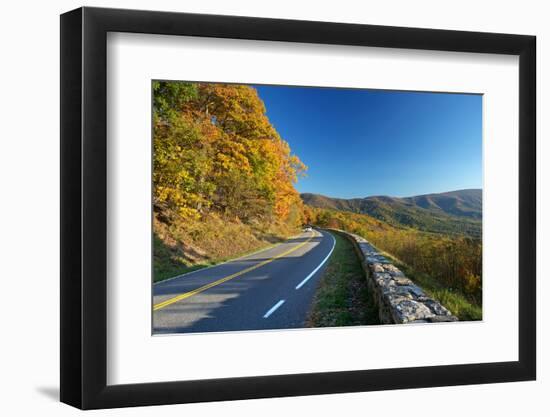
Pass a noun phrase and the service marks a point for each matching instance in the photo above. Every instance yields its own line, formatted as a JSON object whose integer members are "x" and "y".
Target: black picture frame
{"x": 84, "y": 207}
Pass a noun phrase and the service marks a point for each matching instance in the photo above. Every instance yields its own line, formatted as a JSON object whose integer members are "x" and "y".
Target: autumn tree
{"x": 216, "y": 151}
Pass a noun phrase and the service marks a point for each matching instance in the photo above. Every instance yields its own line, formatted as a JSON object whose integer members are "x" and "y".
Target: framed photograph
{"x": 256, "y": 208}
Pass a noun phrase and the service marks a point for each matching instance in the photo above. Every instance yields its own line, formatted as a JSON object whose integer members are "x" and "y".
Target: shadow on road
{"x": 232, "y": 305}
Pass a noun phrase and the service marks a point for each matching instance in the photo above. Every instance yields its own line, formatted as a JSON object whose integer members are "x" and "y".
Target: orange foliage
{"x": 217, "y": 151}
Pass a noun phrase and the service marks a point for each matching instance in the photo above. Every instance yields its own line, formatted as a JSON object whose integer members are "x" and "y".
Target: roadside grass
{"x": 183, "y": 246}
{"x": 455, "y": 301}
{"x": 342, "y": 297}
{"x": 167, "y": 266}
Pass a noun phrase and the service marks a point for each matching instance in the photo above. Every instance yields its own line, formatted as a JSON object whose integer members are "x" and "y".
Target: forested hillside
{"x": 223, "y": 178}
{"x": 448, "y": 266}
{"x": 455, "y": 212}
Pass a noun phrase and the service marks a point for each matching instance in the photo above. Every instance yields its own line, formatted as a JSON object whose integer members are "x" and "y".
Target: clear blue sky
{"x": 358, "y": 143}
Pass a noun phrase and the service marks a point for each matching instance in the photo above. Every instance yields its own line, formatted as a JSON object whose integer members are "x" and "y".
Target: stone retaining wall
{"x": 399, "y": 300}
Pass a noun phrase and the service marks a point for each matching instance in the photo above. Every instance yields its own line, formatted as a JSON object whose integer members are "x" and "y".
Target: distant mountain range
{"x": 450, "y": 212}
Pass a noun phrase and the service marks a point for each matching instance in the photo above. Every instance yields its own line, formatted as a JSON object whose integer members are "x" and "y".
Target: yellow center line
{"x": 188, "y": 294}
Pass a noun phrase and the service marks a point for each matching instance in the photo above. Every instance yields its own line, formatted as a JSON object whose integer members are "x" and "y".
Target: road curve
{"x": 271, "y": 289}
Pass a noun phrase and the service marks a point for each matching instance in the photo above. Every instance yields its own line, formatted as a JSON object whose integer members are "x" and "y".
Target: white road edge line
{"x": 301, "y": 284}
{"x": 272, "y": 309}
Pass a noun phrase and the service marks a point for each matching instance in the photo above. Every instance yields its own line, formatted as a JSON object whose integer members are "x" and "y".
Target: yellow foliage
{"x": 216, "y": 151}
{"x": 455, "y": 261}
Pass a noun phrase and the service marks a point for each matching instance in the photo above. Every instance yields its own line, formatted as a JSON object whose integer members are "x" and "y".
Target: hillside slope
{"x": 448, "y": 266}
{"x": 455, "y": 212}
{"x": 462, "y": 203}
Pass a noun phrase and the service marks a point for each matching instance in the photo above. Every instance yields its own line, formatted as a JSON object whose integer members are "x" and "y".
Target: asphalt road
{"x": 271, "y": 289}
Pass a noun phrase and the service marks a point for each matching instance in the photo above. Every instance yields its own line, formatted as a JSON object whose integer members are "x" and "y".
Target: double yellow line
{"x": 185, "y": 295}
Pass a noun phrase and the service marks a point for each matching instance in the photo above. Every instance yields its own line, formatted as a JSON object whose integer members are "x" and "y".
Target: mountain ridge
{"x": 458, "y": 211}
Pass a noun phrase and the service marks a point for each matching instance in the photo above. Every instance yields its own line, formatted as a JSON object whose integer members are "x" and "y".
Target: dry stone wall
{"x": 399, "y": 299}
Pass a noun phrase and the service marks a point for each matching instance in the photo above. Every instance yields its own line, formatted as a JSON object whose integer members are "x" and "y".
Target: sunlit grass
{"x": 181, "y": 246}
{"x": 167, "y": 266}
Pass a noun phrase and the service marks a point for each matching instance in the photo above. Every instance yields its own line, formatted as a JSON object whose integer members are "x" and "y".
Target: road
{"x": 270, "y": 289}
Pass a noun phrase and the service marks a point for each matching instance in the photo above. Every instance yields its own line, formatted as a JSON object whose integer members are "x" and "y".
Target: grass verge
{"x": 165, "y": 266}
{"x": 182, "y": 246}
{"x": 342, "y": 297}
